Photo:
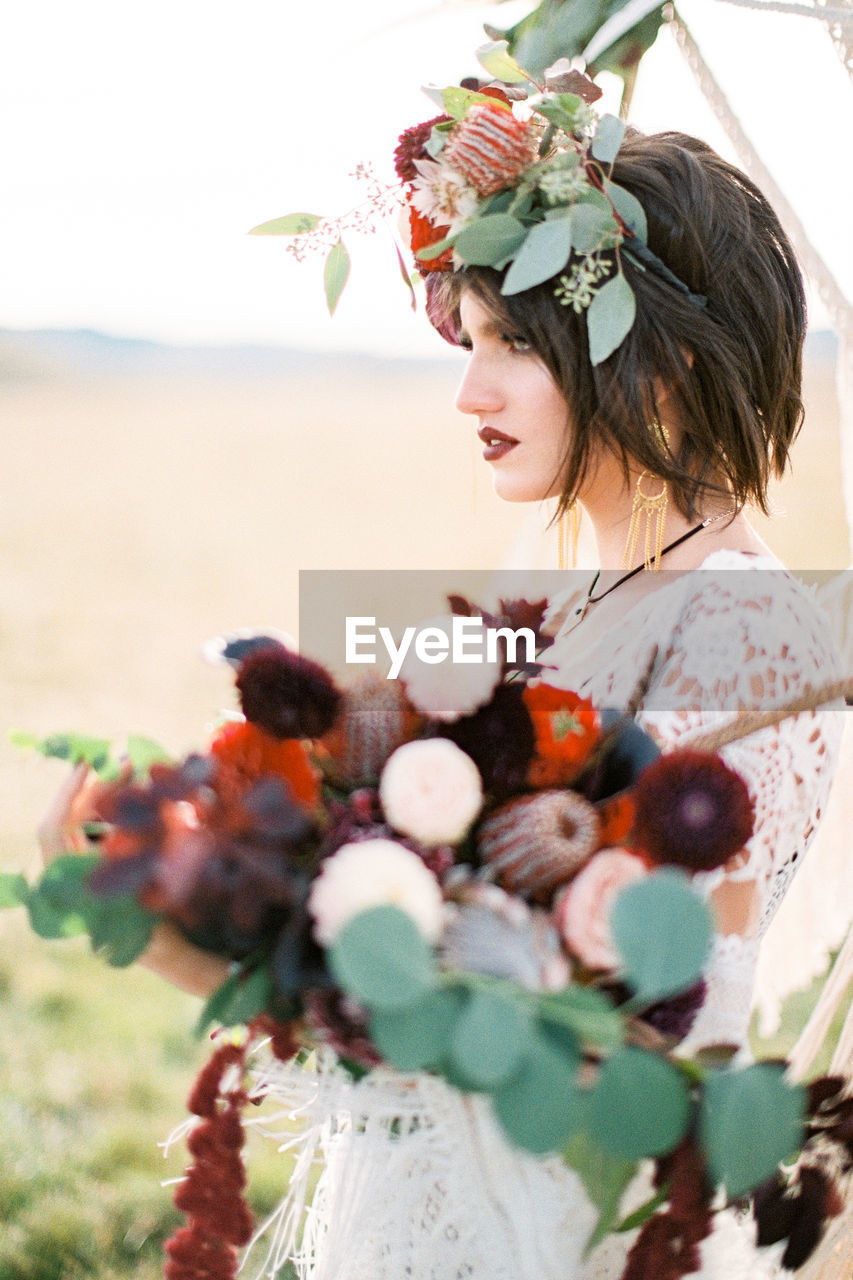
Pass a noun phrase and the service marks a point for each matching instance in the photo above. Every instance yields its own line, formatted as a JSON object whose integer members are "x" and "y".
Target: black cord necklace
{"x": 632, "y": 573}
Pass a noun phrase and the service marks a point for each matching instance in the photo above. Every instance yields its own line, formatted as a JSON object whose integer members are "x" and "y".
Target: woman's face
{"x": 522, "y": 415}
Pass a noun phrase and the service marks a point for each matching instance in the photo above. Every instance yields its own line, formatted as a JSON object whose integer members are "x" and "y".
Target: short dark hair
{"x": 734, "y": 366}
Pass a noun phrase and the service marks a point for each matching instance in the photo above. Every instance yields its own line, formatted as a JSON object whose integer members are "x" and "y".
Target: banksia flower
{"x": 375, "y": 718}
{"x": 692, "y": 810}
{"x": 490, "y": 147}
{"x": 534, "y": 843}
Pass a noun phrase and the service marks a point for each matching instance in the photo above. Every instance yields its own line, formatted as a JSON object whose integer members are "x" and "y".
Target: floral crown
{"x": 519, "y": 181}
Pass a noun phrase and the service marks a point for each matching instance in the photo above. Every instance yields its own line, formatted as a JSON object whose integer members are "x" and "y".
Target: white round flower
{"x": 373, "y": 873}
{"x": 448, "y": 689}
{"x": 443, "y": 195}
{"x": 431, "y": 790}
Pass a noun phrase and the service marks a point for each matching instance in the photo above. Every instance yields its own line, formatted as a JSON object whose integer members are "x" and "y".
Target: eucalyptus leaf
{"x": 608, "y": 138}
{"x": 417, "y": 1038}
{"x": 292, "y": 224}
{"x": 336, "y": 274}
{"x": 76, "y": 748}
{"x": 14, "y": 889}
{"x": 541, "y": 1107}
{"x": 587, "y": 1013}
{"x": 544, "y": 252}
{"x": 609, "y": 317}
{"x": 62, "y": 905}
{"x": 605, "y": 1178}
{"x": 381, "y": 958}
{"x": 629, "y": 209}
{"x": 590, "y": 224}
{"x": 490, "y": 1038}
{"x": 565, "y": 110}
{"x": 500, "y": 64}
{"x": 662, "y": 931}
{"x": 749, "y": 1122}
{"x": 639, "y": 1106}
{"x": 215, "y": 1009}
{"x": 487, "y": 240}
{"x": 431, "y": 251}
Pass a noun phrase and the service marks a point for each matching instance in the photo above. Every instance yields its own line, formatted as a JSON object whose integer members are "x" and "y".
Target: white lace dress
{"x": 415, "y": 1179}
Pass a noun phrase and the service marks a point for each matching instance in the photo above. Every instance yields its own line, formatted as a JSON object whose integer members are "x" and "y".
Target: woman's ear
{"x": 663, "y": 390}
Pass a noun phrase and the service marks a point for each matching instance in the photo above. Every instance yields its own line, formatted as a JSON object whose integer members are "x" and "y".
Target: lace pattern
{"x": 416, "y": 1180}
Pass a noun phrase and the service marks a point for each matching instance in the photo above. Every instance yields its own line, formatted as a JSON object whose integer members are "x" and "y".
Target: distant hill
{"x": 38, "y": 353}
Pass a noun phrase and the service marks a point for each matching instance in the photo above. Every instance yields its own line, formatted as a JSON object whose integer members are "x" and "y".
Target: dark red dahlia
{"x": 691, "y": 810}
{"x": 287, "y": 695}
{"x": 499, "y": 738}
{"x": 412, "y": 146}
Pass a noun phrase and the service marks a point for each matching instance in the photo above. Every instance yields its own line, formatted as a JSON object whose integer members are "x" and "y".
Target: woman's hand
{"x": 61, "y": 830}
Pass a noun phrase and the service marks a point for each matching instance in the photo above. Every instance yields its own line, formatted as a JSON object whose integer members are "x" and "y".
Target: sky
{"x": 139, "y": 145}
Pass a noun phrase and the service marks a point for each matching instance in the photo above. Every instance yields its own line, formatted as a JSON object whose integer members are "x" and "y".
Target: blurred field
{"x": 147, "y": 505}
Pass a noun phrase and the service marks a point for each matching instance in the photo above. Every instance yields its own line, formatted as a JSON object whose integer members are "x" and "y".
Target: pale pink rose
{"x": 448, "y": 690}
{"x": 431, "y": 790}
{"x": 373, "y": 873}
{"x": 583, "y": 909}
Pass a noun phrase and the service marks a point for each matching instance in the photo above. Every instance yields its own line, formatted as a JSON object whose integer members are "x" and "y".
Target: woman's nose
{"x": 479, "y": 391}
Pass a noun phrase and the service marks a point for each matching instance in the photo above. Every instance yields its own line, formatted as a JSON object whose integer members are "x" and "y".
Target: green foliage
{"x": 143, "y": 752}
{"x": 640, "y": 1105}
{"x": 488, "y": 240}
{"x": 608, "y": 138}
{"x": 245, "y": 993}
{"x": 292, "y": 224}
{"x": 564, "y": 28}
{"x": 565, "y": 110}
{"x": 499, "y": 64}
{"x": 543, "y": 253}
{"x": 381, "y": 958}
{"x": 417, "y": 1037}
{"x": 749, "y": 1121}
{"x": 13, "y": 889}
{"x": 661, "y": 928}
{"x": 490, "y": 1038}
{"x": 455, "y": 101}
{"x": 62, "y": 905}
{"x": 335, "y": 275}
{"x": 629, "y": 209}
{"x": 604, "y": 1176}
{"x": 76, "y": 748}
{"x": 541, "y": 1107}
{"x": 586, "y": 1013}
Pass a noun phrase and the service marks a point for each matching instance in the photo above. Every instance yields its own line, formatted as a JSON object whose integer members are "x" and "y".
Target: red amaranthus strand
{"x": 668, "y": 1245}
{"x": 211, "y": 1194}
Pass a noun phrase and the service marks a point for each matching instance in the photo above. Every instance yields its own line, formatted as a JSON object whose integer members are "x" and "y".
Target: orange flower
{"x": 424, "y": 233}
{"x": 617, "y": 818}
{"x": 244, "y": 753}
{"x": 567, "y": 728}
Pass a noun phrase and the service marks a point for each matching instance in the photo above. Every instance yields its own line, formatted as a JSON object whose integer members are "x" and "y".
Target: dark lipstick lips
{"x": 497, "y": 443}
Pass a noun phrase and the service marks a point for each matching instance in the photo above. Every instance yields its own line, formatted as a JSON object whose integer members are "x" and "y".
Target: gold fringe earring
{"x": 568, "y": 533}
{"x": 651, "y": 509}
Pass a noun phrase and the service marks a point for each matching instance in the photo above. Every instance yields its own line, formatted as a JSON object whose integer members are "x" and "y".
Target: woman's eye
{"x": 464, "y": 342}
{"x": 517, "y": 343}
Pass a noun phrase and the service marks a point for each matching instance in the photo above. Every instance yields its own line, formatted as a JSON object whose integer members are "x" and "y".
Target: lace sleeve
{"x": 747, "y": 638}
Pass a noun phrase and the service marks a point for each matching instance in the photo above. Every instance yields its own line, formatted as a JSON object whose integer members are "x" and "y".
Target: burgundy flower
{"x": 412, "y": 146}
{"x": 287, "y": 695}
{"x": 499, "y": 738}
{"x": 692, "y": 810}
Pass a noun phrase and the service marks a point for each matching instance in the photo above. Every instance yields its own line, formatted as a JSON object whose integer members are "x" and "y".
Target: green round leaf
{"x": 662, "y": 930}
{"x": 608, "y": 138}
{"x": 490, "y": 1039}
{"x": 749, "y": 1122}
{"x": 335, "y": 275}
{"x": 381, "y": 958}
{"x": 640, "y": 1105}
{"x": 14, "y": 889}
{"x": 417, "y": 1037}
{"x": 292, "y": 224}
{"x": 456, "y": 101}
{"x": 541, "y": 1108}
{"x": 629, "y": 209}
{"x": 586, "y": 1014}
{"x": 544, "y": 253}
{"x": 499, "y": 64}
{"x": 487, "y": 240}
{"x": 590, "y": 223}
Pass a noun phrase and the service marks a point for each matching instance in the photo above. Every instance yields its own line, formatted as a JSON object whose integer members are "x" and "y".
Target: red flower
{"x": 424, "y": 233}
{"x": 567, "y": 728}
{"x": 490, "y": 147}
{"x": 244, "y": 753}
{"x": 412, "y": 146}
{"x": 287, "y": 695}
{"x": 616, "y": 816}
{"x": 691, "y": 810}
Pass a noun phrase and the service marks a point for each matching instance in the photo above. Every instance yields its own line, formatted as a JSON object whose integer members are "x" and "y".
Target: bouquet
{"x": 470, "y": 872}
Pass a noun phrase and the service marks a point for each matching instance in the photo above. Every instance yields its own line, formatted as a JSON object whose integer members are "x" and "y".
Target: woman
{"x": 663, "y": 416}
